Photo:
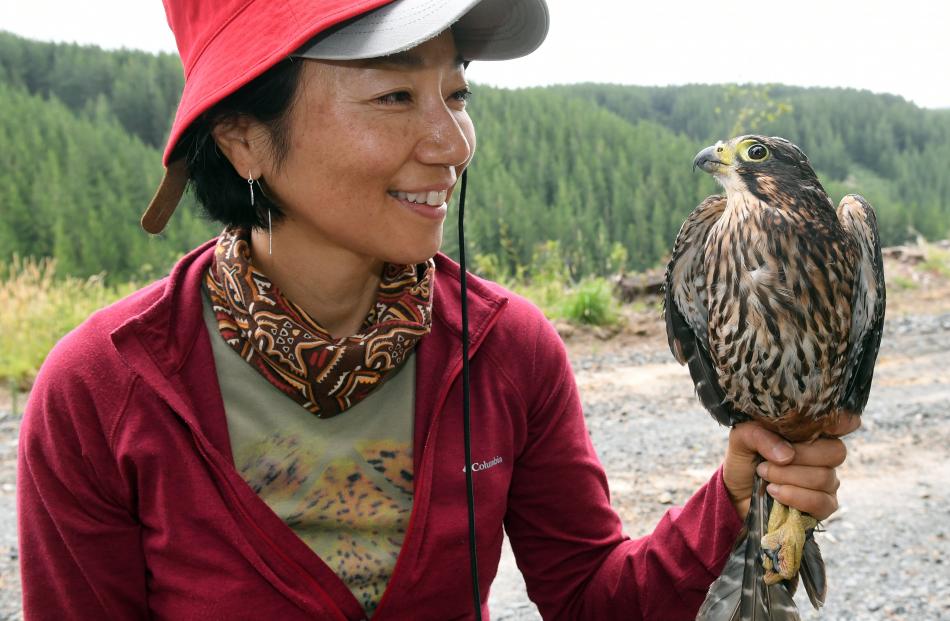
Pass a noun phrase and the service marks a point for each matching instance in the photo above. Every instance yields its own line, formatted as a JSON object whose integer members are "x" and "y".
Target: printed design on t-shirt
{"x": 350, "y": 506}
{"x": 389, "y": 463}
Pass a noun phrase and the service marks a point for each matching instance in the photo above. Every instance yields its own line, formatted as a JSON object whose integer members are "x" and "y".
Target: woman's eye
{"x": 395, "y": 98}
{"x": 462, "y": 95}
{"x": 758, "y": 152}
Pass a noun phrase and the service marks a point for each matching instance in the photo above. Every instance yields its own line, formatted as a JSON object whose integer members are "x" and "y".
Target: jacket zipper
{"x": 438, "y": 409}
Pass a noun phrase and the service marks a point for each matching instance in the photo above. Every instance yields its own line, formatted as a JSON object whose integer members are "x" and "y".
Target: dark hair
{"x": 222, "y": 192}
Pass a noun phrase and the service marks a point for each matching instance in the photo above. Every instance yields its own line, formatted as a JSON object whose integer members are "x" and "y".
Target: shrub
{"x": 591, "y": 302}
{"x": 902, "y": 283}
{"x": 937, "y": 261}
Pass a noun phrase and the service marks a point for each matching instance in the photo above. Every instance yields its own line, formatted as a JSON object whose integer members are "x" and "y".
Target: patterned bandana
{"x": 290, "y": 349}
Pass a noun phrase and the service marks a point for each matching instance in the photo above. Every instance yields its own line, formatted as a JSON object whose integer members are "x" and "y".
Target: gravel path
{"x": 9, "y": 561}
{"x": 887, "y": 549}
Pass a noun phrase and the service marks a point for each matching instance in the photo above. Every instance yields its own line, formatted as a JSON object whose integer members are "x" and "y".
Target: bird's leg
{"x": 777, "y": 516}
{"x": 782, "y": 544}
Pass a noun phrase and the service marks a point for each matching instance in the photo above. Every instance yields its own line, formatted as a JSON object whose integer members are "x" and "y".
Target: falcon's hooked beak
{"x": 714, "y": 159}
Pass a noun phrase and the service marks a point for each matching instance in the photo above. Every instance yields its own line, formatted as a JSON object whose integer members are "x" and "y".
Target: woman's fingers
{"x": 808, "y": 477}
{"x": 809, "y": 483}
{"x": 827, "y": 452}
{"x": 800, "y": 475}
{"x": 818, "y": 504}
{"x": 751, "y": 440}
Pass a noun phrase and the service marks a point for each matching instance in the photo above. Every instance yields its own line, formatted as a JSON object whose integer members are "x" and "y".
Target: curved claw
{"x": 782, "y": 545}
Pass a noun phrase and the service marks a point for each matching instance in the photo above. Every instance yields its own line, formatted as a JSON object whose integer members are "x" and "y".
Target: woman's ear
{"x": 244, "y": 142}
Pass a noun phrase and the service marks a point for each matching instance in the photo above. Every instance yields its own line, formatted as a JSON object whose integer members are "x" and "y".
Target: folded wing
{"x": 686, "y": 309}
{"x": 867, "y": 316}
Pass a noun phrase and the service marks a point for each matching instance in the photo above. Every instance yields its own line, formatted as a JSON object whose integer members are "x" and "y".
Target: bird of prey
{"x": 775, "y": 300}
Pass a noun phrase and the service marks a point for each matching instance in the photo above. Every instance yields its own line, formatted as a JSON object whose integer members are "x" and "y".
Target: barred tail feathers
{"x": 740, "y": 593}
{"x": 812, "y": 572}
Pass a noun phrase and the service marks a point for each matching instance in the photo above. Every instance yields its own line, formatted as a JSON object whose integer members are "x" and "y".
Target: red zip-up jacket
{"x": 130, "y": 506}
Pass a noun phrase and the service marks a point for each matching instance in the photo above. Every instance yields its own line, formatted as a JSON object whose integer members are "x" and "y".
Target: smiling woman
{"x": 276, "y": 429}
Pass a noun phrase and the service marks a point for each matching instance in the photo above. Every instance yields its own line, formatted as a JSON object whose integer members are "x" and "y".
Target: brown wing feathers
{"x": 686, "y": 310}
{"x": 869, "y": 297}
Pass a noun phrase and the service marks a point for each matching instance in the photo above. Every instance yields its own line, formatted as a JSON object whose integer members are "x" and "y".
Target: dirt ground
{"x": 886, "y": 548}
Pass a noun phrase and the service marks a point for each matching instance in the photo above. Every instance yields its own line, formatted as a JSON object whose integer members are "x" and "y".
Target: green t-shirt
{"x": 343, "y": 484}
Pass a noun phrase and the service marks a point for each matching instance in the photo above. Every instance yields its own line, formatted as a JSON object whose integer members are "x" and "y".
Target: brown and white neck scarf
{"x": 290, "y": 349}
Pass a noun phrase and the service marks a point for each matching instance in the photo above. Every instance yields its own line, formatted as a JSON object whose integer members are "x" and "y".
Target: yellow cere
{"x": 724, "y": 152}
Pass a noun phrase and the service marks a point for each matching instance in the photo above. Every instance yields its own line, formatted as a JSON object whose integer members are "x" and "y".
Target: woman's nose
{"x": 447, "y": 138}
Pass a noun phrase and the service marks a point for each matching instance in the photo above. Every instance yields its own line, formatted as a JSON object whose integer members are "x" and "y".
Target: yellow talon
{"x": 782, "y": 544}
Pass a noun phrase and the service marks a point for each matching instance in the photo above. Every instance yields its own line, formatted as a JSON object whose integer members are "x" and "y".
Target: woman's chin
{"x": 420, "y": 251}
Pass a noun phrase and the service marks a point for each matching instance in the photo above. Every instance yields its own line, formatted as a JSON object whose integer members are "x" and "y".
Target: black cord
{"x": 466, "y": 413}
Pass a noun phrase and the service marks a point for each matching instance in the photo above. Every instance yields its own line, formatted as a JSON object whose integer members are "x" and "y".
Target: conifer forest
{"x": 600, "y": 173}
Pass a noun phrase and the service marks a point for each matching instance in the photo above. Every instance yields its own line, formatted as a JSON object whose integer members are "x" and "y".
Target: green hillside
{"x": 602, "y": 170}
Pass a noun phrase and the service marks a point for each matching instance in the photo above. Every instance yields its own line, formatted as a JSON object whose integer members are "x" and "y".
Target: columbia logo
{"x": 485, "y": 465}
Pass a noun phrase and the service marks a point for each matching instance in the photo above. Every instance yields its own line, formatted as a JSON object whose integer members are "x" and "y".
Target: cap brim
{"x": 483, "y": 29}
{"x": 166, "y": 198}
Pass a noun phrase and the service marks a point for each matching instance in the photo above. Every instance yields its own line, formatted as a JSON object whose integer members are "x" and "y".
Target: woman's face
{"x": 375, "y": 150}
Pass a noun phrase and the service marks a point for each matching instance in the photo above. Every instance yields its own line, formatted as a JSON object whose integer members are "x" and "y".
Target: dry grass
{"x": 38, "y": 309}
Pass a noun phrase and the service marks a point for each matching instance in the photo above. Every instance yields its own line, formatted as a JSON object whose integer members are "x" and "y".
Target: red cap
{"x": 224, "y": 44}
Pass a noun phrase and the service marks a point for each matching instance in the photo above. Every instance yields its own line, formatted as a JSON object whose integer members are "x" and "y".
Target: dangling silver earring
{"x": 270, "y": 229}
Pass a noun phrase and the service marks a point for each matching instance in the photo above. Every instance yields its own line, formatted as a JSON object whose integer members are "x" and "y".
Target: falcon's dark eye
{"x": 758, "y": 152}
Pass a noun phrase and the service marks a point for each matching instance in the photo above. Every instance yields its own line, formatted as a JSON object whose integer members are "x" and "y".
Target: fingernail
{"x": 773, "y": 488}
{"x": 762, "y": 469}
{"x": 784, "y": 450}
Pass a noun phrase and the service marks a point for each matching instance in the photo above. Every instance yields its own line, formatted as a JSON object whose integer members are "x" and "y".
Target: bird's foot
{"x": 783, "y": 542}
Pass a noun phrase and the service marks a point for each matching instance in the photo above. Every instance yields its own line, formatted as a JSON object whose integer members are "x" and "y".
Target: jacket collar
{"x": 483, "y": 302}
{"x": 169, "y": 328}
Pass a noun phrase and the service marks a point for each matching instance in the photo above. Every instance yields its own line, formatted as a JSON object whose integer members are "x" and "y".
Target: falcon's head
{"x": 768, "y": 167}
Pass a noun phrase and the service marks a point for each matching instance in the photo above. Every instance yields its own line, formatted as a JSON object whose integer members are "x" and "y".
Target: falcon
{"x": 775, "y": 300}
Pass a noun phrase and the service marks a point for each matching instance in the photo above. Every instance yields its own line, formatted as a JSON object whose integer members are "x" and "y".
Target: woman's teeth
{"x": 433, "y": 199}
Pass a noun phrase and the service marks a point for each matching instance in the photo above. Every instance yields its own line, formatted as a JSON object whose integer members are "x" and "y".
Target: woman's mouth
{"x": 433, "y": 198}
{"x": 428, "y": 204}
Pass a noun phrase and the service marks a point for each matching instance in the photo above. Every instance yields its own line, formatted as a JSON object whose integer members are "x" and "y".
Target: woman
{"x": 275, "y": 430}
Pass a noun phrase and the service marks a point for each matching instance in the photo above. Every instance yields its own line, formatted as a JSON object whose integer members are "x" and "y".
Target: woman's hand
{"x": 799, "y": 475}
